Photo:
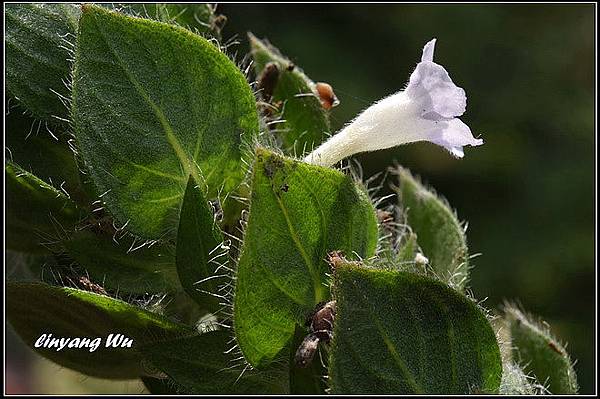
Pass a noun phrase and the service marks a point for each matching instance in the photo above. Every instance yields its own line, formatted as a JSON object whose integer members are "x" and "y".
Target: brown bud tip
{"x": 326, "y": 95}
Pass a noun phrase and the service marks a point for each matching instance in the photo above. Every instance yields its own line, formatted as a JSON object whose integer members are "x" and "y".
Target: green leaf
{"x": 120, "y": 266}
{"x": 198, "y": 249}
{"x": 401, "y": 333}
{"x": 37, "y": 213}
{"x": 541, "y": 353}
{"x": 310, "y": 380}
{"x": 152, "y": 104}
{"x": 31, "y": 145}
{"x": 439, "y": 233}
{"x": 35, "y": 309}
{"x": 37, "y": 40}
{"x": 306, "y": 121}
{"x": 198, "y": 365}
{"x": 298, "y": 214}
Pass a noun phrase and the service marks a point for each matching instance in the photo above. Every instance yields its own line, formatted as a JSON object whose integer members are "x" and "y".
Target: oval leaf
{"x": 535, "y": 347}
{"x": 298, "y": 213}
{"x": 439, "y": 233}
{"x": 199, "y": 252}
{"x": 304, "y": 122}
{"x": 152, "y": 104}
{"x": 38, "y": 39}
{"x": 198, "y": 365}
{"x": 401, "y": 333}
{"x": 35, "y": 309}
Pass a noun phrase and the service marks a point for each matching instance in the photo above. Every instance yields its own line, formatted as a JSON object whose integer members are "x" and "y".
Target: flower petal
{"x": 428, "y": 51}
{"x": 432, "y": 89}
{"x": 453, "y": 135}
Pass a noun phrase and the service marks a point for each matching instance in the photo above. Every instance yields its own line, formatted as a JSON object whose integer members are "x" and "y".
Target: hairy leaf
{"x": 38, "y": 39}
{"x": 515, "y": 382}
{"x": 198, "y": 365}
{"x": 401, "y": 333}
{"x": 44, "y": 151}
{"x": 124, "y": 265}
{"x": 197, "y": 17}
{"x": 154, "y": 103}
{"x": 540, "y": 353}
{"x": 439, "y": 233}
{"x": 199, "y": 250}
{"x": 305, "y": 121}
{"x": 298, "y": 214}
{"x": 37, "y": 213}
{"x": 35, "y": 309}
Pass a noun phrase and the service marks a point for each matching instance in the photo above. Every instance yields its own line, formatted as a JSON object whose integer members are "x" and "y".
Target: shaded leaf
{"x": 148, "y": 269}
{"x": 198, "y": 365}
{"x": 22, "y": 266}
{"x": 198, "y": 249}
{"x": 540, "y": 353}
{"x": 38, "y": 39}
{"x": 154, "y": 103}
{"x": 37, "y": 213}
{"x": 31, "y": 145}
{"x": 34, "y": 309}
{"x": 157, "y": 386}
{"x": 298, "y": 214}
{"x": 439, "y": 233}
{"x": 401, "y": 333}
{"x": 306, "y": 122}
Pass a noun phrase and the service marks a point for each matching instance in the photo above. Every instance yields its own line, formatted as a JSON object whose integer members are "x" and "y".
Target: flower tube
{"x": 425, "y": 110}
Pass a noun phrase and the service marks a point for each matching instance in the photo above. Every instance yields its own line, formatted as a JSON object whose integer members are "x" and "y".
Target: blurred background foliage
{"x": 527, "y": 194}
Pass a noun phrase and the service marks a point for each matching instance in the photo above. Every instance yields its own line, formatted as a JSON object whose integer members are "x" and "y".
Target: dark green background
{"x": 528, "y": 193}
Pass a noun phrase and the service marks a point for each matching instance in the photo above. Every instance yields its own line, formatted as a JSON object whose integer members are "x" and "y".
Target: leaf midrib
{"x": 186, "y": 163}
{"x": 309, "y": 264}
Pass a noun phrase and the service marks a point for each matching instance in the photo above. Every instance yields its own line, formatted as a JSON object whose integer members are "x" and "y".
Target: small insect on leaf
{"x": 322, "y": 322}
{"x": 88, "y": 285}
{"x": 326, "y": 95}
{"x": 320, "y": 329}
{"x": 306, "y": 351}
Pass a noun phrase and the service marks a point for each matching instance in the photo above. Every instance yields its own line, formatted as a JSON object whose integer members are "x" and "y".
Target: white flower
{"x": 425, "y": 110}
